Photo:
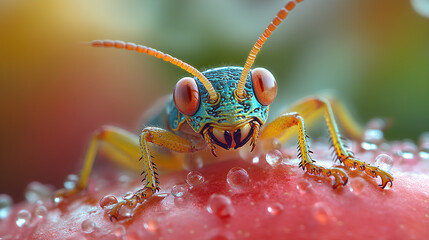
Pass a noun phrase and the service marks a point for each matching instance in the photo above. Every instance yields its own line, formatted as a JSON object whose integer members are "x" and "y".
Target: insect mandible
{"x": 224, "y": 107}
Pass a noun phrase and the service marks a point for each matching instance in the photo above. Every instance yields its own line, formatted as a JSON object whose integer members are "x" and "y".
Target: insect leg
{"x": 312, "y": 107}
{"x": 160, "y": 137}
{"x": 122, "y": 148}
{"x": 277, "y": 127}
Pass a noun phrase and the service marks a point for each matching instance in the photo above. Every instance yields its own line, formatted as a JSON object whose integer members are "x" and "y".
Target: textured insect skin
{"x": 224, "y": 107}
{"x": 227, "y": 111}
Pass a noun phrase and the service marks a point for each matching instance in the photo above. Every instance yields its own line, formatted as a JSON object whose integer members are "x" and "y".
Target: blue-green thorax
{"x": 228, "y": 111}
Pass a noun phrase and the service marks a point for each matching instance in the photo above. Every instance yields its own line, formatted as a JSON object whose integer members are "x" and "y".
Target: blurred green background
{"x": 373, "y": 55}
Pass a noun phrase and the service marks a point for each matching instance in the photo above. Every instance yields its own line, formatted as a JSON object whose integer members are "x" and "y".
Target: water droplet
{"x": 125, "y": 179}
{"x": 23, "y": 218}
{"x": 424, "y": 154}
{"x": 421, "y": 7}
{"x": 71, "y": 181}
{"x": 126, "y": 212}
{"x": 108, "y": 201}
{"x": 407, "y": 157}
{"x": 274, "y": 157}
{"x": 384, "y": 162}
{"x": 303, "y": 186}
{"x": 321, "y": 213}
{"x": 275, "y": 208}
{"x": 255, "y": 160}
{"x": 37, "y": 191}
{"x": 237, "y": 177}
{"x": 192, "y": 162}
{"x": 58, "y": 200}
{"x": 194, "y": 178}
{"x": 368, "y": 146}
{"x": 151, "y": 225}
{"x": 220, "y": 205}
{"x": 5, "y": 206}
{"x": 40, "y": 211}
{"x": 179, "y": 190}
{"x": 88, "y": 226}
{"x": 128, "y": 195}
{"x": 374, "y": 136}
{"x": 119, "y": 231}
{"x": 357, "y": 185}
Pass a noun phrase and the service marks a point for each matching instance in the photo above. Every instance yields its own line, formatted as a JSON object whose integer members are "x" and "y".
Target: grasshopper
{"x": 224, "y": 107}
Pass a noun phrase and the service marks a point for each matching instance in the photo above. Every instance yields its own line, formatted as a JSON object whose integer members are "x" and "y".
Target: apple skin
{"x": 276, "y": 202}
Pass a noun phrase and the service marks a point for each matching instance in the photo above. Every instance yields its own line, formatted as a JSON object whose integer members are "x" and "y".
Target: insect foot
{"x": 131, "y": 202}
{"x": 351, "y": 162}
{"x": 340, "y": 177}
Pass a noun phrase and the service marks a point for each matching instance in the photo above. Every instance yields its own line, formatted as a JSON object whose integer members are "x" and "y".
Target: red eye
{"x": 186, "y": 96}
{"x": 264, "y": 86}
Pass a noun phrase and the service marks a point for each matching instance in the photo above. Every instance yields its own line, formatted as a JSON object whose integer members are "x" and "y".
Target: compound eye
{"x": 264, "y": 86}
{"x": 186, "y": 96}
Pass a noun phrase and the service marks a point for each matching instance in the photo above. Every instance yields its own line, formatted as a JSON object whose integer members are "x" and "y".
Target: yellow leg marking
{"x": 277, "y": 127}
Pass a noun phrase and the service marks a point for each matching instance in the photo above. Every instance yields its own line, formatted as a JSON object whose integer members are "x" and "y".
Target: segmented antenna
{"x": 163, "y": 56}
{"x": 281, "y": 15}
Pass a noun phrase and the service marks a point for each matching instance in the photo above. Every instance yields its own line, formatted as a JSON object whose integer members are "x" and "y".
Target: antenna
{"x": 281, "y": 15}
{"x": 163, "y": 56}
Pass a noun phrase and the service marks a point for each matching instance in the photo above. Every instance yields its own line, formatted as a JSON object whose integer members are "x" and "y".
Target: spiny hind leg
{"x": 312, "y": 107}
{"x": 276, "y": 128}
{"x": 120, "y": 146}
{"x": 160, "y": 137}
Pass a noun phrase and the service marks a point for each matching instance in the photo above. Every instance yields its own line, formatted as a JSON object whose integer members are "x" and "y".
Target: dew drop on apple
{"x": 40, "y": 211}
{"x": 179, "y": 190}
{"x": 151, "y": 225}
{"x": 88, "y": 226}
{"x": 424, "y": 154}
{"x": 119, "y": 231}
{"x": 303, "y": 186}
{"x": 374, "y": 136}
{"x": 107, "y": 201}
{"x": 255, "y": 160}
{"x": 275, "y": 208}
{"x": 407, "y": 157}
{"x": 424, "y": 146}
{"x": 5, "y": 206}
{"x": 58, "y": 200}
{"x": 274, "y": 157}
{"x": 384, "y": 162}
{"x": 194, "y": 178}
{"x": 37, "y": 191}
{"x": 237, "y": 177}
{"x": 220, "y": 206}
{"x": 128, "y": 195}
{"x": 357, "y": 185}
{"x": 71, "y": 181}
{"x": 23, "y": 218}
{"x": 321, "y": 213}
